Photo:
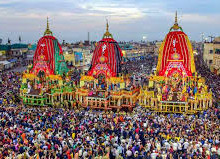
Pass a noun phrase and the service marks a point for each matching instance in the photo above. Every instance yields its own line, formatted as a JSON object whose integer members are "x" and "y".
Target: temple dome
{"x": 176, "y": 53}
{"x": 48, "y": 56}
{"x": 107, "y": 57}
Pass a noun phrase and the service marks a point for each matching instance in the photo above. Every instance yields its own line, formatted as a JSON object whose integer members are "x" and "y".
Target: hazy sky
{"x": 128, "y": 19}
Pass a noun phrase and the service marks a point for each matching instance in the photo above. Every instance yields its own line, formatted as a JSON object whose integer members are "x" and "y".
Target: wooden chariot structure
{"x": 175, "y": 86}
{"x": 106, "y": 99}
{"x": 190, "y": 104}
{"x": 56, "y": 92}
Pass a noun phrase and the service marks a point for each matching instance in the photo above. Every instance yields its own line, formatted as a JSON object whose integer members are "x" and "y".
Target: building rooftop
{"x": 19, "y": 46}
{"x": 4, "y": 47}
{"x": 217, "y": 40}
{"x": 7, "y": 47}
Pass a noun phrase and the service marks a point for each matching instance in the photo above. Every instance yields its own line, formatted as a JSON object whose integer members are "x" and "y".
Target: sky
{"x": 71, "y": 20}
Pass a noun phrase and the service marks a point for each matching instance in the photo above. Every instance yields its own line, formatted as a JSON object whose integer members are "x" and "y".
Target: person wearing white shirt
{"x": 164, "y": 155}
{"x": 185, "y": 145}
{"x": 167, "y": 145}
{"x": 153, "y": 155}
{"x": 129, "y": 153}
{"x": 179, "y": 146}
{"x": 175, "y": 146}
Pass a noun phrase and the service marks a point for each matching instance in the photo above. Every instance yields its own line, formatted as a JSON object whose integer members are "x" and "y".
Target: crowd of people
{"x": 44, "y": 133}
{"x": 140, "y": 66}
{"x": 56, "y": 133}
{"x": 212, "y": 80}
{"x": 9, "y": 87}
{"x": 139, "y": 69}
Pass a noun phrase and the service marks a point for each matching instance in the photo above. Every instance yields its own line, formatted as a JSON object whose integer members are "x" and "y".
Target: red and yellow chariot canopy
{"x": 176, "y": 54}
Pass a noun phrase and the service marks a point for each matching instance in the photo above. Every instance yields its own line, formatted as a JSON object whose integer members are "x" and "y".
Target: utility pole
{"x": 88, "y": 38}
{"x": 211, "y": 37}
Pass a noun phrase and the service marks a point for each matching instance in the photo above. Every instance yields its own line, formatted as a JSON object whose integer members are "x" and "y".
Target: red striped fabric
{"x": 176, "y": 52}
{"x": 110, "y": 50}
{"x": 46, "y": 48}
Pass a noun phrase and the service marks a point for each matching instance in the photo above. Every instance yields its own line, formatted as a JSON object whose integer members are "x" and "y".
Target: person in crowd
{"x": 46, "y": 132}
{"x": 49, "y": 133}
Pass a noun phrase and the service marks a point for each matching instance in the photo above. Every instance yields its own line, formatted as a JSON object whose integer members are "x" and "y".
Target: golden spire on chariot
{"x": 176, "y": 25}
{"x": 48, "y": 31}
{"x": 107, "y": 33}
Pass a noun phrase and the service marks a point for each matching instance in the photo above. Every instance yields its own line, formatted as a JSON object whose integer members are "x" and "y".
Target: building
{"x": 216, "y": 56}
{"x": 18, "y": 53}
{"x": 4, "y": 49}
{"x": 78, "y": 57}
{"x": 136, "y": 50}
{"x": 208, "y": 54}
{"x": 30, "y": 54}
{"x": 14, "y": 53}
{"x": 211, "y": 55}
